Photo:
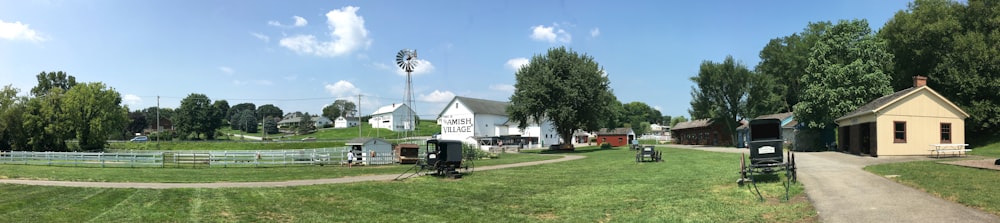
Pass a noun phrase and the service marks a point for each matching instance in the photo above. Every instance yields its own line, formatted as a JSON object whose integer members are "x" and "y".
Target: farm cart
{"x": 443, "y": 158}
{"x": 766, "y": 155}
{"x": 648, "y": 154}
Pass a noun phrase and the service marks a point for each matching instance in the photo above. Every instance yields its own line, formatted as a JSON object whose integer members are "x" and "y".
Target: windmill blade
{"x": 401, "y": 58}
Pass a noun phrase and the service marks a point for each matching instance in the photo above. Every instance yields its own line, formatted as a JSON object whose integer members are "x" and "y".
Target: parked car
{"x": 139, "y": 139}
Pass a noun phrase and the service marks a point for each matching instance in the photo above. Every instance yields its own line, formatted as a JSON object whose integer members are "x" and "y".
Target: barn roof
{"x": 884, "y": 101}
{"x": 692, "y": 124}
{"x": 363, "y": 140}
{"x": 480, "y": 106}
{"x": 616, "y": 131}
{"x": 389, "y": 108}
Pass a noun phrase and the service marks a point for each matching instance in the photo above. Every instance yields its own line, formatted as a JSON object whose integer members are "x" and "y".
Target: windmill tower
{"x": 407, "y": 60}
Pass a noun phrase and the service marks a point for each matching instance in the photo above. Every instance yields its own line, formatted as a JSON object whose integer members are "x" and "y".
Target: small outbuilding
{"x": 345, "y": 122}
{"x": 616, "y": 137}
{"x": 371, "y": 151}
{"x": 702, "y": 132}
{"x": 908, "y": 122}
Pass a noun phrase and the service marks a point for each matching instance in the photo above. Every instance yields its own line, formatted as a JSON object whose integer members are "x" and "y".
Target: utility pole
{"x": 158, "y": 127}
{"x": 359, "y": 117}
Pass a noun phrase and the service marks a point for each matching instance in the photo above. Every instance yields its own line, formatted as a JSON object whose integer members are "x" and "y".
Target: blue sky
{"x": 302, "y": 55}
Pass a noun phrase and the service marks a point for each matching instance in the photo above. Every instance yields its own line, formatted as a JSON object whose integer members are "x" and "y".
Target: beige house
{"x": 907, "y": 122}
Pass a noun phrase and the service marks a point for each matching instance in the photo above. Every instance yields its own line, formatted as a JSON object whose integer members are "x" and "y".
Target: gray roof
{"x": 877, "y": 103}
{"x": 616, "y": 131}
{"x": 779, "y": 116}
{"x": 363, "y": 140}
{"x": 692, "y": 124}
{"x": 297, "y": 119}
{"x": 481, "y": 106}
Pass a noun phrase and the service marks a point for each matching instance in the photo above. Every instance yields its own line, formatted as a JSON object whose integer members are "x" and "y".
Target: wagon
{"x": 648, "y": 154}
{"x": 766, "y": 154}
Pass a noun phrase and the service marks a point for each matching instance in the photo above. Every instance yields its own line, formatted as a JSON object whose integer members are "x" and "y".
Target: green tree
{"x": 94, "y": 113}
{"x": 676, "y": 120}
{"x": 196, "y": 115}
{"x": 223, "y": 109}
{"x": 724, "y": 88}
{"x": 305, "y": 124}
{"x": 764, "y": 96}
{"x": 239, "y": 107}
{"x": 268, "y": 110}
{"x": 568, "y": 89}
{"x": 955, "y": 46}
{"x": 270, "y": 126}
{"x": 784, "y": 60}
{"x": 151, "y": 114}
{"x": 847, "y": 69}
{"x": 136, "y": 122}
{"x": 665, "y": 120}
{"x": 45, "y": 126}
{"x": 51, "y": 80}
{"x": 12, "y": 135}
{"x": 245, "y": 121}
{"x": 637, "y": 113}
{"x": 339, "y": 108}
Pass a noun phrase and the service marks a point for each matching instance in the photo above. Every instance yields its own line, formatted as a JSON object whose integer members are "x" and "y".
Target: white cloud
{"x": 437, "y": 96}
{"x": 263, "y": 37}
{"x": 342, "y": 89}
{"x": 595, "y": 32}
{"x": 503, "y": 87}
{"x": 423, "y": 67}
{"x": 131, "y": 99}
{"x": 516, "y": 63}
{"x": 227, "y": 70}
{"x": 347, "y": 33}
{"x": 19, "y": 31}
{"x": 550, "y": 34}
{"x": 658, "y": 108}
{"x": 299, "y": 21}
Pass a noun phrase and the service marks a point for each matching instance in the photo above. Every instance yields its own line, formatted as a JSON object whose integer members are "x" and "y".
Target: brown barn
{"x": 701, "y": 132}
{"x": 616, "y": 137}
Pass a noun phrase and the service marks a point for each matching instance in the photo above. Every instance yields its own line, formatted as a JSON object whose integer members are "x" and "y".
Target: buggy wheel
{"x": 743, "y": 167}
{"x": 638, "y": 158}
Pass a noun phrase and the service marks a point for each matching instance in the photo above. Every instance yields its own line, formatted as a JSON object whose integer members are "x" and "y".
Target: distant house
{"x": 395, "y": 117}
{"x": 701, "y": 132}
{"x": 907, "y": 122}
{"x": 292, "y": 120}
{"x": 371, "y": 151}
{"x": 345, "y": 122}
{"x": 616, "y": 137}
{"x": 580, "y": 136}
{"x": 787, "y": 125}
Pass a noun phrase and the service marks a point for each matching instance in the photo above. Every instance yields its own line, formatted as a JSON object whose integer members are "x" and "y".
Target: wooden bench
{"x": 956, "y": 149}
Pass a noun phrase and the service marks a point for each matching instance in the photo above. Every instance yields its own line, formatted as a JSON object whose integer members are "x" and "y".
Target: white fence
{"x": 322, "y": 156}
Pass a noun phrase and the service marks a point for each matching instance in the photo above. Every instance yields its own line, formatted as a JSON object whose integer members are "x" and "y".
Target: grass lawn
{"x": 969, "y": 186}
{"x": 222, "y": 145}
{"x": 691, "y": 186}
{"x": 424, "y": 128}
{"x": 220, "y": 174}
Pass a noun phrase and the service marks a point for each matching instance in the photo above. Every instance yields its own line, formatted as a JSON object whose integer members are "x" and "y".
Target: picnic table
{"x": 956, "y": 149}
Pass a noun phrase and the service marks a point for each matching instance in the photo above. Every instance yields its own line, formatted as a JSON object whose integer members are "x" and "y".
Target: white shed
{"x": 345, "y": 122}
{"x": 395, "y": 117}
{"x": 371, "y": 151}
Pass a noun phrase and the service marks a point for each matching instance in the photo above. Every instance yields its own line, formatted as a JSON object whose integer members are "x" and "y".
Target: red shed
{"x": 616, "y": 137}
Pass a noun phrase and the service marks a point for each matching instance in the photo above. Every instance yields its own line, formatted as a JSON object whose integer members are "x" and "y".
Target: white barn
{"x": 345, "y": 122}
{"x": 393, "y": 117}
{"x": 486, "y": 122}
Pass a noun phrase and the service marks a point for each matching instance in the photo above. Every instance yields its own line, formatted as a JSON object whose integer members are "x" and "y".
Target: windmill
{"x": 407, "y": 60}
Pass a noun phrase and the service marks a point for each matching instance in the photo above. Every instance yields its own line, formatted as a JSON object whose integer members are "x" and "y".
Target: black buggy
{"x": 766, "y": 154}
{"x": 648, "y": 154}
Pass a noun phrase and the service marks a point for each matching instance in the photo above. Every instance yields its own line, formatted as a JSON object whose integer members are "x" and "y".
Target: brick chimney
{"x": 919, "y": 81}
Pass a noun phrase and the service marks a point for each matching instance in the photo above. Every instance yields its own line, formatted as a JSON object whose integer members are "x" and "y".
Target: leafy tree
{"x": 239, "y": 107}
{"x": 564, "y": 87}
{"x": 151, "y": 114}
{"x": 785, "y": 59}
{"x": 137, "y": 122}
{"x": 614, "y": 117}
{"x": 701, "y": 108}
{"x": 196, "y": 115}
{"x": 723, "y": 89}
{"x": 305, "y": 124}
{"x": 223, "y": 107}
{"x": 955, "y": 46}
{"x": 270, "y": 126}
{"x": 11, "y": 120}
{"x": 338, "y": 108}
{"x": 847, "y": 69}
{"x": 244, "y": 121}
{"x": 52, "y": 80}
{"x": 666, "y": 120}
{"x": 45, "y": 124}
{"x": 268, "y": 110}
{"x": 676, "y": 120}
{"x": 765, "y": 96}
{"x": 637, "y": 113}
{"x": 94, "y": 112}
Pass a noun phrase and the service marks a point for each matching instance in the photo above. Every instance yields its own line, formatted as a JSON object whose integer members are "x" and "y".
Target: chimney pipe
{"x": 919, "y": 81}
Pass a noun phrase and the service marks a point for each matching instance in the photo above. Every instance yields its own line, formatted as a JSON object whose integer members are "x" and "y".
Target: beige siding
{"x": 923, "y": 113}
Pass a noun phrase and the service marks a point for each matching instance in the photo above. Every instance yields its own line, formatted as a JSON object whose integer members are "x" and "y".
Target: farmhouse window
{"x": 945, "y": 132}
{"x": 899, "y": 132}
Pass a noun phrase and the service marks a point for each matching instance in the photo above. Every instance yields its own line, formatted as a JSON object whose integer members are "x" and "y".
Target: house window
{"x": 945, "y": 132}
{"x": 899, "y": 132}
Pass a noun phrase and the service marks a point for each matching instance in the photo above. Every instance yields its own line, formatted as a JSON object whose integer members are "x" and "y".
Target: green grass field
{"x": 223, "y": 145}
{"x": 607, "y": 186}
{"x": 424, "y": 128}
{"x": 990, "y": 150}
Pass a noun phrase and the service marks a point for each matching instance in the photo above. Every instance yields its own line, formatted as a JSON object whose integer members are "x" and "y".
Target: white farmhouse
{"x": 345, "y": 122}
{"x": 486, "y": 122}
{"x": 395, "y": 117}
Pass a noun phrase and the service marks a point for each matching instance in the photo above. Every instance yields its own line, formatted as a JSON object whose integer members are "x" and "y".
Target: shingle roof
{"x": 692, "y": 124}
{"x": 616, "y": 131}
{"x": 363, "y": 140}
{"x": 389, "y": 108}
{"x": 480, "y": 106}
{"x": 878, "y": 103}
{"x": 779, "y": 116}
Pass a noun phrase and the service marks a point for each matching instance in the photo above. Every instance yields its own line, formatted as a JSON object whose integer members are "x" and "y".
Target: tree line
{"x": 829, "y": 69}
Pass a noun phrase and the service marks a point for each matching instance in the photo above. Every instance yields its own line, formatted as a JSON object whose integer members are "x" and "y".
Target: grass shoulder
{"x": 968, "y": 186}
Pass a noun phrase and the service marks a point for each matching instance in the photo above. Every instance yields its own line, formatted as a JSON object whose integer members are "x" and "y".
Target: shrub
{"x": 605, "y": 145}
